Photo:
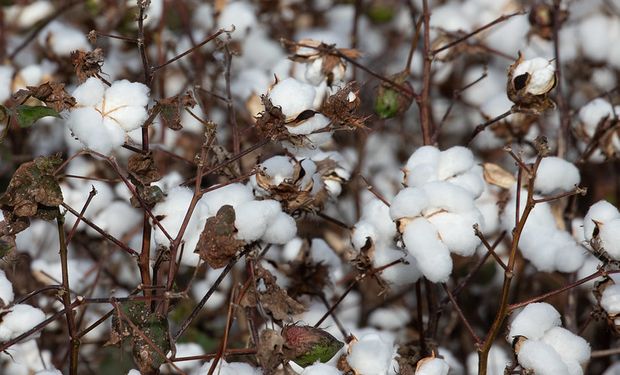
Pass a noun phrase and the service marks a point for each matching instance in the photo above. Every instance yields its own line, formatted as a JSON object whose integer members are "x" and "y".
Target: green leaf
{"x": 28, "y": 115}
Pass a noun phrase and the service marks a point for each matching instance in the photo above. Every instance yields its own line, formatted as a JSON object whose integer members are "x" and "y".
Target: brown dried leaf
{"x": 142, "y": 168}
{"x": 270, "y": 123}
{"x": 274, "y": 299}
{"x": 171, "y": 109}
{"x": 33, "y": 190}
{"x": 269, "y": 351}
{"x": 217, "y": 244}
{"x": 87, "y": 64}
{"x": 342, "y": 106}
{"x": 51, "y": 93}
{"x": 498, "y": 176}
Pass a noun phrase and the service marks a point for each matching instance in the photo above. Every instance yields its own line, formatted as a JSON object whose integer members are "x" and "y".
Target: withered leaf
{"x": 142, "y": 168}
{"x": 271, "y": 122}
{"x": 171, "y": 109}
{"x": 276, "y": 300}
{"x": 53, "y": 94}
{"x": 217, "y": 243}
{"x": 87, "y": 64}
{"x": 33, "y": 190}
{"x": 269, "y": 351}
{"x": 498, "y": 176}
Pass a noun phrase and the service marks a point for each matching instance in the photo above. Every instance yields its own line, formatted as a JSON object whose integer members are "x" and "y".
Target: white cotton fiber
{"x": 610, "y": 300}
{"x": 371, "y": 355}
{"x": 321, "y": 369}
{"x": 424, "y": 155}
{"x": 449, "y": 197}
{"x": 280, "y": 230}
{"x": 398, "y": 274}
{"x": 420, "y": 175}
{"x": 278, "y": 168}
{"x": 19, "y": 319}
{"x": 233, "y": 194}
{"x": 541, "y": 358}
{"x": 363, "y": 233}
{"x": 251, "y": 218}
{"x": 108, "y": 219}
{"x": 188, "y": 349}
{"x": 594, "y": 37}
{"x": 593, "y": 112}
{"x": 63, "y": 39}
{"x": 601, "y": 212}
{"x": 610, "y": 237}
{"x": 6, "y": 289}
{"x": 432, "y": 256}
{"x": 309, "y": 126}
{"x": 239, "y": 14}
{"x": 377, "y": 213}
{"x": 556, "y": 174}
{"x": 569, "y": 256}
{"x": 86, "y": 125}
{"x": 226, "y": 368}
{"x": 389, "y": 318}
{"x": 457, "y": 232}
{"x": 292, "y": 96}
{"x": 496, "y": 363}
{"x": 534, "y": 320}
{"x": 471, "y": 181}
{"x": 433, "y": 366}
{"x": 409, "y": 202}
{"x": 568, "y": 345}
{"x": 90, "y": 93}
{"x": 454, "y": 161}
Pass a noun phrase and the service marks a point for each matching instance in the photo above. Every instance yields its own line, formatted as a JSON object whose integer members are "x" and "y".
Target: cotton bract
{"x": 103, "y": 116}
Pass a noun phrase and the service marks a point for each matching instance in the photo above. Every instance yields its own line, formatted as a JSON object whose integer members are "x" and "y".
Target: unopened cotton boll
{"x": 432, "y": 366}
{"x": 321, "y": 369}
{"x": 371, "y": 355}
{"x": 600, "y": 212}
{"x": 19, "y": 319}
{"x": 432, "y": 256}
{"x": 292, "y": 96}
{"x": 542, "y": 358}
{"x": 534, "y": 320}
{"x": 556, "y": 174}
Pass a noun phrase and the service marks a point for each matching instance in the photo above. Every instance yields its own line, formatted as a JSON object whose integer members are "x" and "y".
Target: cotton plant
{"x": 543, "y": 345}
{"x": 497, "y": 361}
{"x": 103, "y": 116}
{"x": 541, "y": 241}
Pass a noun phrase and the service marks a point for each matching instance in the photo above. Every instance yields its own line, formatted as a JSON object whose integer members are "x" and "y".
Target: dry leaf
{"x": 498, "y": 176}
{"x": 217, "y": 244}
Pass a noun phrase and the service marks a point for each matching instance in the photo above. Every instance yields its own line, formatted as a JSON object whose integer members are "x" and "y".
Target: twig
{"x": 480, "y": 128}
{"x": 424, "y": 103}
{"x": 460, "y": 314}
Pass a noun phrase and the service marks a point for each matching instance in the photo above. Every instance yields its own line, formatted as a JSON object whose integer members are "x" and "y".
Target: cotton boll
{"x": 593, "y": 112}
{"x": 377, "y": 213}
{"x": 240, "y": 14}
{"x": 471, "y": 181}
{"x": 19, "y": 319}
{"x": 420, "y": 175}
{"x": 569, "y": 256}
{"x": 594, "y": 37}
{"x": 108, "y": 219}
{"x": 599, "y": 212}
{"x": 26, "y": 16}
{"x": 87, "y": 125}
{"x": 400, "y": 273}
{"x": 233, "y": 194}
{"x": 90, "y": 93}
{"x": 556, "y": 174}
{"x": 432, "y": 366}
{"x": 309, "y": 126}
{"x": 610, "y": 299}
{"x": 226, "y": 368}
{"x": 456, "y": 367}
{"x": 540, "y": 357}
{"x": 389, "y": 318}
{"x": 423, "y": 155}
{"x": 63, "y": 39}
{"x": 610, "y": 237}
{"x": 321, "y": 369}
{"x": 188, "y": 349}
{"x": 126, "y": 93}
{"x": 454, "y": 161}
{"x": 432, "y": 256}
{"x": 541, "y": 75}
{"x": 457, "y": 232}
{"x": 409, "y": 202}
{"x": 292, "y": 96}
{"x": 363, "y": 232}
{"x": 251, "y": 218}
{"x": 371, "y": 355}
{"x": 281, "y": 230}
{"x": 534, "y": 320}
{"x": 568, "y": 345}
{"x": 249, "y": 81}
{"x": 6, "y": 76}
{"x": 6, "y": 290}
{"x": 133, "y": 372}
{"x": 449, "y": 197}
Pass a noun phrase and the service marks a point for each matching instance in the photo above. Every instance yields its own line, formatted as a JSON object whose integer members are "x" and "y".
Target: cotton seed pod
{"x": 390, "y": 102}
{"x": 529, "y": 82}
{"x": 305, "y": 345}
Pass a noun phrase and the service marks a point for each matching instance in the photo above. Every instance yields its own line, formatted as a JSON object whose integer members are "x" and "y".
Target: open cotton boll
{"x": 542, "y": 358}
{"x": 309, "y": 126}
{"x": 90, "y": 93}
{"x": 568, "y": 345}
{"x": 377, "y": 214}
{"x": 454, "y": 161}
{"x": 600, "y": 212}
{"x": 420, "y": 175}
{"x": 248, "y": 82}
{"x": 280, "y": 230}
{"x": 371, "y": 355}
{"x": 610, "y": 299}
{"x": 432, "y": 256}
{"x": 534, "y": 320}
{"x": 409, "y": 202}
{"x": 6, "y": 76}
{"x": 556, "y": 174}
{"x": 240, "y": 14}
{"x": 278, "y": 168}
{"x": 87, "y": 126}
{"x": 251, "y": 218}
{"x": 569, "y": 255}
{"x": 432, "y": 366}
{"x": 6, "y": 289}
{"x": 27, "y": 15}
{"x": 188, "y": 349}
{"x": 449, "y": 197}
{"x": 233, "y": 194}
{"x": 457, "y": 232}
{"x": 63, "y": 39}
{"x": 541, "y": 75}
{"x": 398, "y": 274}
{"x": 19, "y": 319}
{"x": 53, "y": 371}
{"x": 226, "y": 368}
{"x": 610, "y": 237}
{"x": 594, "y": 37}
{"x": 292, "y": 96}
{"x": 496, "y": 363}
{"x": 321, "y": 369}
{"x": 363, "y": 231}
{"x": 593, "y": 112}
{"x": 471, "y": 181}
{"x": 389, "y": 318}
